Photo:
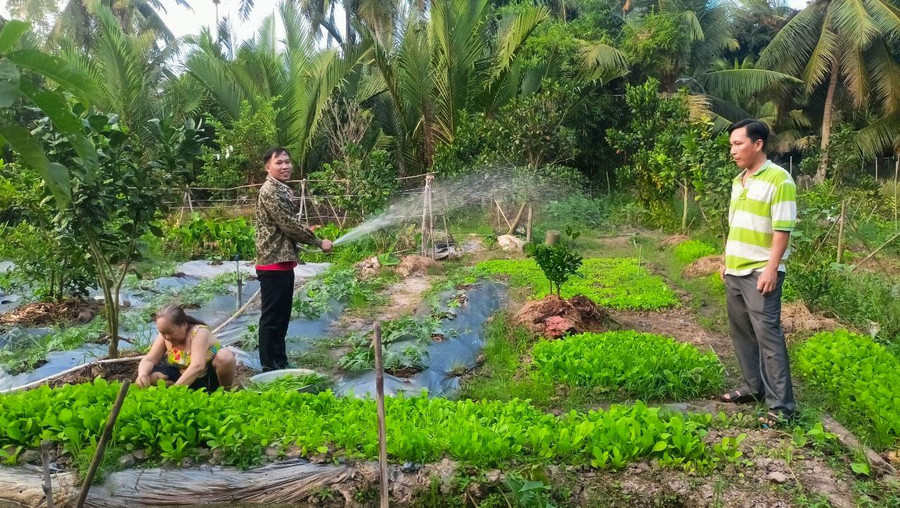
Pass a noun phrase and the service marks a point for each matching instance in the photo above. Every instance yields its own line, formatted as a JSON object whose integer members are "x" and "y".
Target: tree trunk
{"x": 826, "y": 122}
{"x": 348, "y": 17}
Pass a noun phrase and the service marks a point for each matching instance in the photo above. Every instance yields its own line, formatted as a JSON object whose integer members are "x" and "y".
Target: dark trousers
{"x": 759, "y": 340}
{"x": 277, "y": 288}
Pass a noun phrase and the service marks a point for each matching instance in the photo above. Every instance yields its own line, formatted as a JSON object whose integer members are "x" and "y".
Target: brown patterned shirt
{"x": 278, "y": 228}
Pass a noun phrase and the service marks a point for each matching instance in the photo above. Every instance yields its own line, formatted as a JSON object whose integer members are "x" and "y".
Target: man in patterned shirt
{"x": 278, "y": 231}
{"x": 761, "y": 217}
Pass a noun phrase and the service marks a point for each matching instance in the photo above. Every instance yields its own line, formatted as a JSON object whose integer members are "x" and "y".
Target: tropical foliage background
{"x": 108, "y": 116}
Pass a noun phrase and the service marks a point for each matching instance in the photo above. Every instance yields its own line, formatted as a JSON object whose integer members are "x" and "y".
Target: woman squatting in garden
{"x": 186, "y": 353}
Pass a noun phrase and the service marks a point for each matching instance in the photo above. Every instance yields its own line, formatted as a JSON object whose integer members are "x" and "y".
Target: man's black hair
{"x": 272, "y": 152}
{"x": 756, "y": 130}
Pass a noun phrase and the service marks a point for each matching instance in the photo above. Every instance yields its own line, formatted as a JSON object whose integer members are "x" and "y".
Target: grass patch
{"x": 500, "y": 377}
{"x": 631, "y": 364}
{"x": 610, "y": 282}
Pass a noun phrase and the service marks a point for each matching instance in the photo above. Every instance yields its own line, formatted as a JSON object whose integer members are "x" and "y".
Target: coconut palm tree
{"x": 299, "y": 78}
{"x": 851, "y": 43}
{"x": 129, "y": 71}
{"x": 434, "y": 68}
{"x": 77, "y": 23}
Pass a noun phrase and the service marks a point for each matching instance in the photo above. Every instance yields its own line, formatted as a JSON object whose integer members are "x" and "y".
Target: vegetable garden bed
{"x": 618, "y": 283}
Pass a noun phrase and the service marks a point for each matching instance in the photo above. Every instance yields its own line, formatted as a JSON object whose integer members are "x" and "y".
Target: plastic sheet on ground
{"x": 57, "y": 361}
{"x": 447, "y": 359}
{"x": 135, "y": 332}
{"x": 285, "y": 482}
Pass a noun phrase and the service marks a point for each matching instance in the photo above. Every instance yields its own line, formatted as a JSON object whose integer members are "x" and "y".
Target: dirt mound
{"x": 118, "y": 371}
{"x": 414, "y": 265}
{"x": 368, "y": 268}
{"x": 703, "y": 267}
{"x": 553, "y": 316}
{"x": 796, "y": 318}
{"x": 44, "y": 313}
{"x": 673, "y": 240}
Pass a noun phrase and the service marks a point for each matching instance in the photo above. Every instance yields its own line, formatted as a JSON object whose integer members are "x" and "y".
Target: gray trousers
{"x": 759, "y": 340}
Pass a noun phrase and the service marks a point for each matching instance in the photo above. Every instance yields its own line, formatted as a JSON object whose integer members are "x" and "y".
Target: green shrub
{"x": 214, "y": 238}
{"x": 631, "y": 364}
{"x": 361, "y": 182}
{"x": 860, "y": 380}
{"x": 558, "y": 263}
{"x": 855, "y": 297}
{"x": 692, "y": 250}
{"x": 238, "y": 159}
{"x": 50, "y": 262}
{"x": 174, "y": 423}
{"x": 617, "y": 283}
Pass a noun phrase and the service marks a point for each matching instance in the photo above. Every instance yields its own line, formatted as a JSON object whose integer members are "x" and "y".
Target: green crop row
{"x": 619, "y": 283}
{"x": 175, "y": 423}
{"x": 639, "y": 365}
{"x": 860, "y": 380}
{"x": 692, "y": 250}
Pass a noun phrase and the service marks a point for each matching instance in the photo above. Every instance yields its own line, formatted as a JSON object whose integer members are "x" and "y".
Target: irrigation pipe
{"x": 111, "y": 361}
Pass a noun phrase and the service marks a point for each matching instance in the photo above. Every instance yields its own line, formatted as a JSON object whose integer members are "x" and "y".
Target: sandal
{"x": 776, "y": 418}
{"x": 739, "y": 397}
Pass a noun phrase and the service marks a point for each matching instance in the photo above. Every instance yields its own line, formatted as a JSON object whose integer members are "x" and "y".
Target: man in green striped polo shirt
{"x": 761, "y": 217}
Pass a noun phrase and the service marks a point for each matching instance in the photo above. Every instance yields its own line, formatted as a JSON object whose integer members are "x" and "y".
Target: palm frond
{"x": 879, "y": 136}
{"x": 791, "y": 47}
{"x": 884, "y": 72}
{"x": 745, "y": 82}
{"x": 821, "y": 59}
{"x": 851, "y": 19}
{"x": 602, "y": 62}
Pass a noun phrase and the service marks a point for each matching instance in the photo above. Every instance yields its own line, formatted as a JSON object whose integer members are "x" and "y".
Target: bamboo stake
{"x": 885, "y": 244}
{"x": 896, "y": 171}
{"x": 528, "y": 223}
{"x": 431, "y": 220}
{"x": 302, "y": 199}
{"x": 840, "y": 239}
{"x": 501, "y": 213}
{"x": 382, "y": 432}
{"x": 48, "y": 485}
{"x": 101, "y": 445}
{"x": 518, "y": 219}
{"x": 424, "y": 217}
{"x": 446, "y": 227}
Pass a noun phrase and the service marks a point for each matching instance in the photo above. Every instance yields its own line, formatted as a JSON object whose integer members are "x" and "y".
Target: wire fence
{"x": 314, "y": 208}
{"x": 882, "y": 169}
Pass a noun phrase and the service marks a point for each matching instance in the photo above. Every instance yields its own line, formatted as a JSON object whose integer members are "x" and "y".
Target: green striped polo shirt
{"x": 768, "y": 203}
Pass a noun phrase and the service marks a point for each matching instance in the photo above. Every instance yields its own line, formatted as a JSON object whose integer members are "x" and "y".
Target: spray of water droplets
{"x": 466, "y": 191}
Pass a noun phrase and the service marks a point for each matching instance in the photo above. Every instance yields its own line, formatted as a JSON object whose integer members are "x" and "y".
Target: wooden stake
{"x": 528, "y": 223}
{"x": 896, "y": 171}
{"x": 431, "y": 217}
{"x": 885, "y": 244}
{"x": 501, "y": 213}
{"x": 425, "y": 218}
{"x": 48, "y": 485}
{"x": 518, "y": 219}
{"x": 840, "y": 239}
{"x": 101, "y": 445}
{"x": 382, "y": 432}
{"x": 302, "y": 213}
